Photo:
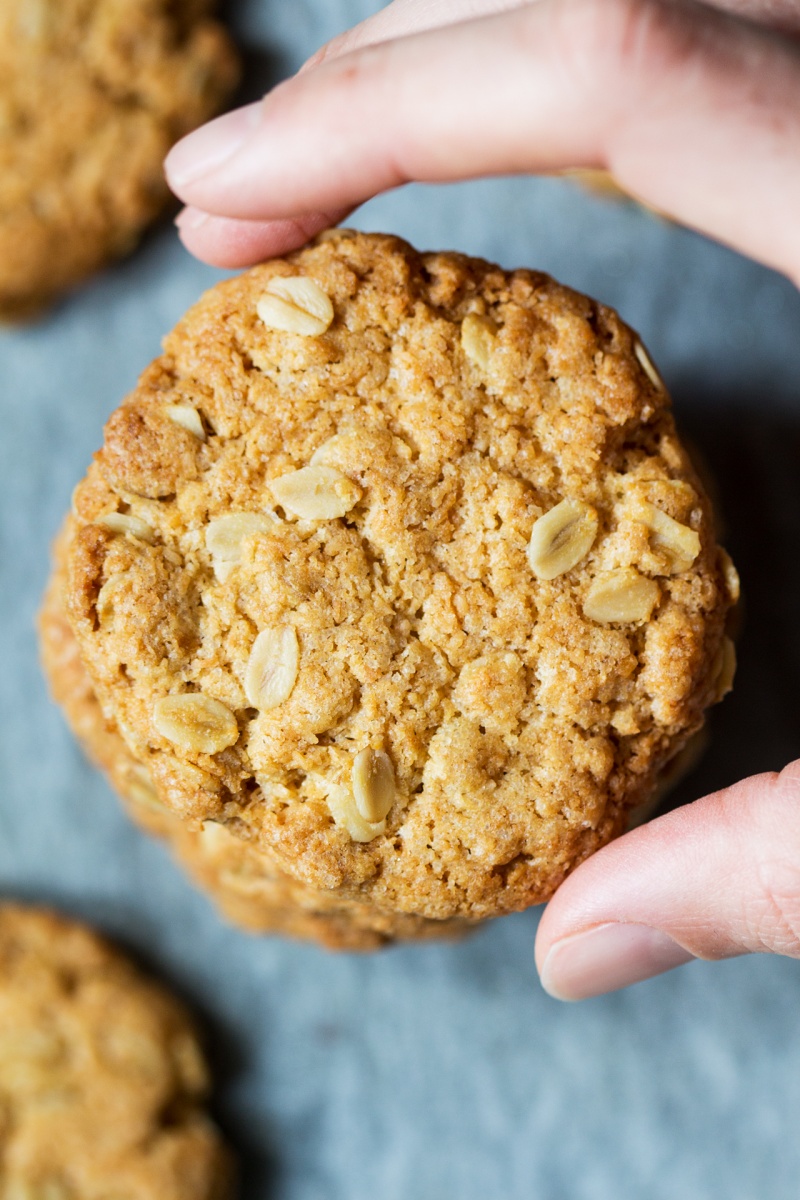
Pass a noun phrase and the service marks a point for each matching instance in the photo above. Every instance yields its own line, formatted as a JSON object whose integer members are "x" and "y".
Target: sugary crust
{"x": 249, "y": 888}
{"x": 102, "y": 1080}
{"x": 520, "y": 730}
{"x": 254, "y": 893}
{"x": 92, "y": 95}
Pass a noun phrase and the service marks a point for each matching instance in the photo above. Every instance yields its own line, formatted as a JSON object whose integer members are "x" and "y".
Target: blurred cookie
{"x": 247, "y": 886}
{"x": 102, "y": 1080}
{"x": 601, "y": 183}
{"x": 394, "y": 565}
{"x": 92, "y": 95}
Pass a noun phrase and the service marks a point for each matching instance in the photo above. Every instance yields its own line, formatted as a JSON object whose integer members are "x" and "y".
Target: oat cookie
{"x": 394, "y": 565}
{"x": 92, "y": 95}
{"x": 249, "y": 888}
{"x": 253, "y": 892}
{"x": 102, "y": 1080}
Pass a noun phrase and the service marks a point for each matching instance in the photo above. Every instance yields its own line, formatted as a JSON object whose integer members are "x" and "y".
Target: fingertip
{"x": 191, "y": 218}
{"x": 206, "y": 149}
{"x": 217, "y": 241}
{"x": 232, "y": 244}
{"x": 606, "y": 958}
{"x": 714, "y": 879}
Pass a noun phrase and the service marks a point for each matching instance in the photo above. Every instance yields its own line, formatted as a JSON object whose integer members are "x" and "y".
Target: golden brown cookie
{"x": 394, "y": 565}
{"x": 92, "y": 95}
{"x": 102, "y": 1080}
{"x": 254, "y": 893}
{"x": 248, "y": 887}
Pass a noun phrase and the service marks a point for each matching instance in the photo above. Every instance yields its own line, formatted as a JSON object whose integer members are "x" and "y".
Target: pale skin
{"x": 695, "y": 108}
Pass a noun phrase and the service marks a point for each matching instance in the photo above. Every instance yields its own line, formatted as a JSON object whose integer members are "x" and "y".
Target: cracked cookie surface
{"x": 448, "y": 522}
{"x": 102, "y": 1080}
{"x": 92, "y": 95}
{"x": 249, "y": 888}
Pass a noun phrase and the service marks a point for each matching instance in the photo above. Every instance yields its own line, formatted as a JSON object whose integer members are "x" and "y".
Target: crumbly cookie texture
{"x": 443, "y": 522}
{"x": 254, "y": 893}
{"x": 92, "y": 95}
{"x": 249, "y": 888}
{"x": 102, "y": 1080}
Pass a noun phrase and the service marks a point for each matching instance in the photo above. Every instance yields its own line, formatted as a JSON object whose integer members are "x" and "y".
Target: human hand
{"x": 696, "y": 111}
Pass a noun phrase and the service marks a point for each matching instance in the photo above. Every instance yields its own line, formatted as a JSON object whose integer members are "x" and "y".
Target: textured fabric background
{"x": 443, "y": 1072}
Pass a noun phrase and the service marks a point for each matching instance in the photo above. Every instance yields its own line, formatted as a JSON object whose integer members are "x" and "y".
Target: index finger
{"x": 681, "y": 103}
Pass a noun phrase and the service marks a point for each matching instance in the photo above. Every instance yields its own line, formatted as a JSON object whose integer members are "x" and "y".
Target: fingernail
{"x": 210, "y": 146}
{"x": 191, "y": 218}
{"x": 607, "y": 958}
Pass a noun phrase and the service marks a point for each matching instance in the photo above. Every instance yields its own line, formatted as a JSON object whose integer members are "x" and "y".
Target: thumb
{"x": 717, "y": 878}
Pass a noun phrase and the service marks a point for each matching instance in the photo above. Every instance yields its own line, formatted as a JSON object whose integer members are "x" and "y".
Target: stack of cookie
{"x": 391, "y": 592}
